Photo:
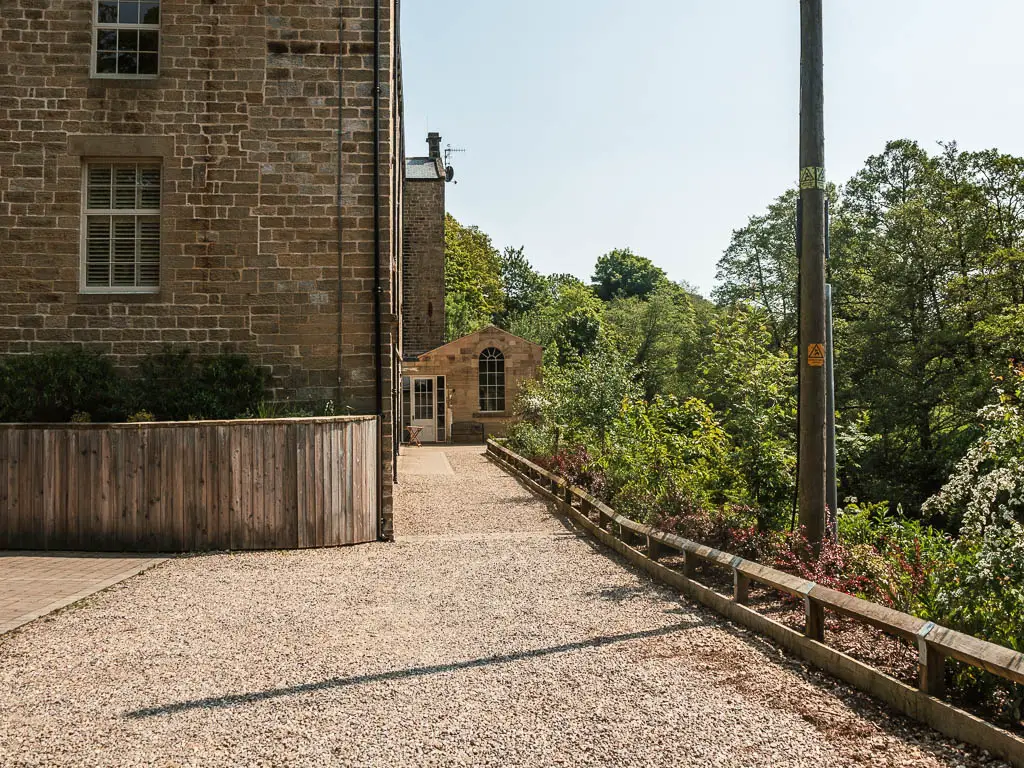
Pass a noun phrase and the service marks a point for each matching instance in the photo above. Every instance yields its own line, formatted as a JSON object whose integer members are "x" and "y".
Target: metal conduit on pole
{"x": 831, "y": 480}
{"x": 813, "y": 389}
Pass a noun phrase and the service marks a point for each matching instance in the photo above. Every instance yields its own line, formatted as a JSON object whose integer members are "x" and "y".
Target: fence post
{"x": 814, "y": 615}
{"x": 931, "y": 664}
{"x": 689, "y": 564}
{"x": 655, "y": 549}
{"x": 625, "y": 535}
{"x": 740, "y": 584}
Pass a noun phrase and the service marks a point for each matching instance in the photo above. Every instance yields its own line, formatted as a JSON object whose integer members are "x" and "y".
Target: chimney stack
{"x": 434, "y": 142}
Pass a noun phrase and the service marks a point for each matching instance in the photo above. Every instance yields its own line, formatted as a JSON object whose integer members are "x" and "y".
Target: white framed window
{"x": 492, "y": 381}
{"x": 121, "y": 227}
{"x": 126, "y": 38}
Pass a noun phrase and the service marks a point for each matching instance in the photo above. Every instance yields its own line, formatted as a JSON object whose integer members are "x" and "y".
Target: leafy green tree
{"x": 472, "y": 276}
{"x": 752, "y": 388}
{"x": 584, "y": 397}
{"x": 621, "y": 274}
{"x": 577, "y": 334}
{"x": 548, "y": 324}
{"x": 652, "y": 332}
{"x": 759, "y": 268}
{"x": 525, "y": 289}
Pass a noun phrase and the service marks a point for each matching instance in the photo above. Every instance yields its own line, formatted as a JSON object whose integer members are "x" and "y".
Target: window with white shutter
{"x": 121, "y": 250}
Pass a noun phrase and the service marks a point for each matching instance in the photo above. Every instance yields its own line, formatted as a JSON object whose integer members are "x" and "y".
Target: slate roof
{"x": 422, "y": 169}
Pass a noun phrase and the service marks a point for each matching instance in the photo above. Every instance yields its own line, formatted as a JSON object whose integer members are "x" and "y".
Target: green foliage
{"x": 621, "y": 274}
{"x": 69, "y": 384}
{"x": 652, "y": 333}
{"x": 473, "y": 279}
{"x": 54, "y": 385}
{"x": 759, "y": 269}
{"x": 175, "y": 385}
{"x": 526, "y": 290}
{"x": 753, "y": 389}
{"x": 577, "y": 334}
{"x": 580, "y": 399}
{"x": 662, "y": 451}
{"x": 984, "y": 590}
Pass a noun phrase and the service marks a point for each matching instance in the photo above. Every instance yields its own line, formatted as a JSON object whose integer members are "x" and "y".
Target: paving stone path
{"x": 33, "y": 585}
{"x": 489, "y": 634}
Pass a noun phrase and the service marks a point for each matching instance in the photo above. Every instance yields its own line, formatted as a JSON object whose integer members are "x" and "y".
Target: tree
{"x": 759, "y": 268}
{"x": 525, "y": 289}
{"x": 621, "y": 274}
{"x": 577, "y": 334}
{"x": 472, "y": 276}
{"x": 651, "y": 333}
{"x": 752, "y": 388}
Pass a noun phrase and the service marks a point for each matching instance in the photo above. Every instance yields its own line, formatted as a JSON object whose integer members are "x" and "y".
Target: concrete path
{"x": 424, "y": 460}
{"x": 489, "y": 634}
{"x": 33, "y": 585}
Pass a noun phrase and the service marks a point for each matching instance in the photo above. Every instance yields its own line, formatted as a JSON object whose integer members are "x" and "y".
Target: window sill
{"x": 489, "y": 414}
{"x": 141, "y": 82}
{"x": 99, "y": 296}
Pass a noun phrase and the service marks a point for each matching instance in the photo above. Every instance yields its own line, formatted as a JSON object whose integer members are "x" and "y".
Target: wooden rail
{"x": 189, "y": 486}
{"x": 935, "y": 644}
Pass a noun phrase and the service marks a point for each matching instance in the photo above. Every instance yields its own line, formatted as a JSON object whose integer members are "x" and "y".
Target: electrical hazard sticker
{"x": 816, "y": 355}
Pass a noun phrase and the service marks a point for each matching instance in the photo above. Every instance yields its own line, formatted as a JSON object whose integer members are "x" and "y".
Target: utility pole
{"x": 813, "y": 389}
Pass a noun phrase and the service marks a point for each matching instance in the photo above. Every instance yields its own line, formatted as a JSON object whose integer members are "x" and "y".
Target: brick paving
{"x": 33, "y": 585}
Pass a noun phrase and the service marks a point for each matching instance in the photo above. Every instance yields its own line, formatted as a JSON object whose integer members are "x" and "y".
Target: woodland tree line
{"x": 682, "y": 410}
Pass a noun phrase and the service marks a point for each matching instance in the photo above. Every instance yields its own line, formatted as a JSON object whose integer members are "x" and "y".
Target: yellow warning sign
{"x": 816, "y": 355}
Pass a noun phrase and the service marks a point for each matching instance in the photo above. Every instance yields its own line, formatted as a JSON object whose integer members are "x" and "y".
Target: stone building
{"x": 223, "y": 175}
{"x": 465, "y": 390}
{"x": 423, "y": 210}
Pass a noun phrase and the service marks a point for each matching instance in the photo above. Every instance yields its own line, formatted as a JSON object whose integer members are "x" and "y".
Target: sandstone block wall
{"x": 423, "y": 292}
{"x": 244, "y": 121}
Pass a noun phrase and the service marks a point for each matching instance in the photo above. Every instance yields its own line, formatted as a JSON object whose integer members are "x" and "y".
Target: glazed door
{"x": 424, "y": 408}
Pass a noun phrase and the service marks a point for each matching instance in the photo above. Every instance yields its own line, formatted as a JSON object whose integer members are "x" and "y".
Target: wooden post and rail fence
{"x": 934, "y": 644}
{"x": 189, "y": 486}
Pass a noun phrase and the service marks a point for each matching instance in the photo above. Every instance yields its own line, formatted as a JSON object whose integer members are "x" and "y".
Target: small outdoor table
{"x": 414, "y": 434}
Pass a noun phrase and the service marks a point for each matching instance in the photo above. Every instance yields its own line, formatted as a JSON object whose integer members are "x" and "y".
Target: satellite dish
{"x": 449, "y": 173}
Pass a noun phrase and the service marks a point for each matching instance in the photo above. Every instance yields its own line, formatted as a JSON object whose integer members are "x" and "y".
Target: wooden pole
{"x": 812, "y": 273}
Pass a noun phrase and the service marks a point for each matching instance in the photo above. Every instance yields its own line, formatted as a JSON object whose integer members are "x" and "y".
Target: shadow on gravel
{"x": 219, "y": 702}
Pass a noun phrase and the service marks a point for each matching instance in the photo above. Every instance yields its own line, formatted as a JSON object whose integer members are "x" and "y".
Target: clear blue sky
{"x": 663, "y": 125}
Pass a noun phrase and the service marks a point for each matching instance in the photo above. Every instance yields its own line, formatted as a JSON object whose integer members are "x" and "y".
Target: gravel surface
{"x": 489, "y": 634}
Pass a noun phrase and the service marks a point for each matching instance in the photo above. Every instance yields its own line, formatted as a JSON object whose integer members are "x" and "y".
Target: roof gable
{"x": 492, "y": 332}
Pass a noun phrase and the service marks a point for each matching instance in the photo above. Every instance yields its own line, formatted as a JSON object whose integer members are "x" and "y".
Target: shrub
{"x": 55, "y": 385}
{"x": 663, "y": 451}
{"x": 176, "y": 386}
{"x": 71, "y": 384}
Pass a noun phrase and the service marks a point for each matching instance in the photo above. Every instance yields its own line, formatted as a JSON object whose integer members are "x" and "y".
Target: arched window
{"x": 492, "y": 380}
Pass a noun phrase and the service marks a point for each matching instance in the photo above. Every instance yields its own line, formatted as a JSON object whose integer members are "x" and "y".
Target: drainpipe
{"x": 341, "y": 207}
{"x": 377, "y": 324}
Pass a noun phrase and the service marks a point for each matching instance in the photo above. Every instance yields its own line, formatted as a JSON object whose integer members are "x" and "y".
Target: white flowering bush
{"x": 982, "y": 591}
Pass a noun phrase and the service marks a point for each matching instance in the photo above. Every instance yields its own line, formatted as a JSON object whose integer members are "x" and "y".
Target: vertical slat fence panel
{"x": 194, "y": 486}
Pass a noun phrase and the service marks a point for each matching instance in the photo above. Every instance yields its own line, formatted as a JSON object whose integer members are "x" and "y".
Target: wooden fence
{"x": 643, "y": 546}
{"x": 189, "y": 486}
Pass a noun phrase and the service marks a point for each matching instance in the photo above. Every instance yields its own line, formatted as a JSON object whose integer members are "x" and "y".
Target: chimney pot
{"x": 434, "y": 142}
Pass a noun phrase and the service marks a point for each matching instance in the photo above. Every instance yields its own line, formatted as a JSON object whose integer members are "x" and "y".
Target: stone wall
{"x": 243, "y": 120}
{"x": 423, "y": 293}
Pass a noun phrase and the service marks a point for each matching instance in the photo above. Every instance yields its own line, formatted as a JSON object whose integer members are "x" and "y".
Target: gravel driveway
{"x": 489, "y": 634}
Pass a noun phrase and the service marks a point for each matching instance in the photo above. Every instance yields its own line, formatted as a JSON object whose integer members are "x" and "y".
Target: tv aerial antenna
{"x": 449, "y": 172}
